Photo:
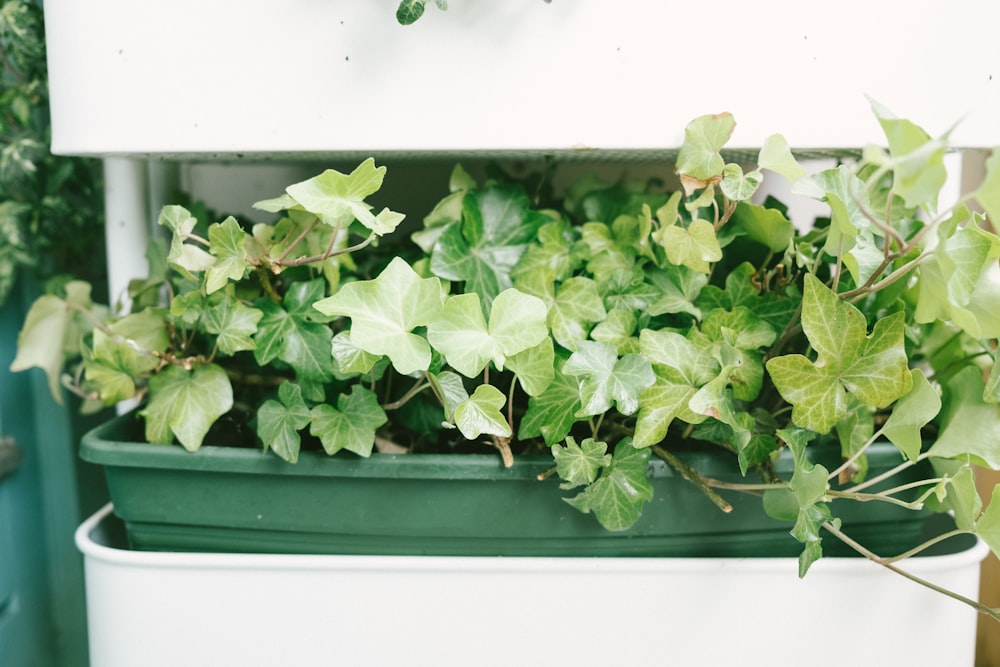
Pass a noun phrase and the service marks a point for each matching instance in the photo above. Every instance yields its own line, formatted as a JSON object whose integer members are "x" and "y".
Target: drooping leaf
{"x": 873, "y": 368}
{"x": 184, "y": 404}
{"x": 385, "y": 311}
{"x": 775, "y": 155}
{"x": 351, "y": 425}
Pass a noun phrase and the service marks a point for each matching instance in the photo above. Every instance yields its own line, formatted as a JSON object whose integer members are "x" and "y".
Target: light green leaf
{"x": 481, "y": 413}
{"x": 580, "y": 464}
{"x": 576, "y": 307}
{"x": 185, "y": 256}
{"x": 739, "y": 186}
{"x": 338, "y": 199}
{"x": 988, "y": 192}
{"x": 617, "y": 497}
{"x": 534, "y": 367}
{"x": 681, "y": 367}
{"x": 873, "y": 368}
{"x": 279, "y": 422}
{"x": 699, "y": 158}
{"x": 385, "y": 311}
{"x": 234, "y": 323}
{"x": 293, "y": 332}
{"x": 988, "y": 526}
{"x": 349, "y": 358}
{"x": 606, "y": 379}
{"x": 776, "y": 156}
{"x": 970, "y": 427}
{"x": 694, "y": 247}
{"x": 227, "y": 242}
{"x": 679, "y": 287}
{"x": 551, "y": 414}
{"x": 114, "y": 367}
{"x": 351, "y": 425}
{"x": 184, "y": 404}
{"x": 764, "y": 224}
{"x": 917, "y": 160}
{"x": 910, "y": 414}
{"x": 47, "y": 333}
{"x": 451, "y": 388}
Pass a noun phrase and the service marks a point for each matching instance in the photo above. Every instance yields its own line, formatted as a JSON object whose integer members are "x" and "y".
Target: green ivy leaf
{"x": 910, "y": 414}
{"x": 764, "y": 224}
{"x": 917, "y": 160}
{"x": 187, "y": 257}
{"x": 699, "y": 160}
{"x": 385, "y": 311}
{"x": 451, "y": 388}
{"x": 956, "y": 493}
{"x": 290, "y": 331}
{"x": 873, "y": 368}
{"x": 988, "y": 192}
{"x": 681, "y": 367}
{"x": 580, "y": 464}
{"x": 481, "y": 414}
{"x": 607, "y": 379}
{"x": 988, "y": 526}
{"x": 227, "y": 242}
{"x": 460, "y": 333}
{"x": 694, "y": 247}
{"x": 617, "y": 497}
{"x": 351, "y": 425}
{"x": 497, "y": 226}
{"x": 679, "y": 288}
{"x": 349, "y": 358}
{"x": 279, "y": 422}
{"x": 534, "y": 367}
{"x": 551, "y": 413}
{"x": 739, "y": 186}
{"x": 233, "y": 322}
{"x": 775, "y": 155}
{"x": 184, "y": 404}
{"x": 970, "y": 426}
{"x": 114, "y": 366}
{"x": 577, "y": 306}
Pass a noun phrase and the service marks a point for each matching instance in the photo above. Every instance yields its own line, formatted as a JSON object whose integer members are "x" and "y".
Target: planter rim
{"x": 88, "y": 542}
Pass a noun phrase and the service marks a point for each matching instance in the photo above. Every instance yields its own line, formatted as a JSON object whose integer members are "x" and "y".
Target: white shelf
{"x": 223, "y": 79}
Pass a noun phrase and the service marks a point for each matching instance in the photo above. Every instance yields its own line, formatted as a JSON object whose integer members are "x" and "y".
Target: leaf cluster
{"x": 623, "y": 322}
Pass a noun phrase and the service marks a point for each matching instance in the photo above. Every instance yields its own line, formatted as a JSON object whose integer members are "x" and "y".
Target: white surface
{"x": 210, "y": 609}
{"x": 206, "y": 77}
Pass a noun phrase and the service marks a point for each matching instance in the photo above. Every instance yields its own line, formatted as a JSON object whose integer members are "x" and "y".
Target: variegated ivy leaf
{"x": 679, "y": 287}
{"x": 617, "y": 497}
{"x": 279, "y": 422}
{"x": 295, "y": 332}
{"x": 228, "y": 244}
{"x": 349, "y": 358}
{"x": 481, "y": 413}
{"x": 618, "y": 329}
{"x": 184, "y": 404}
{"x": 551, "y": 414}
{"x": 338, "y": 199}
{"x": 147, "y": 330}
{"x": 450, "y": 387}
{"x": 694, "y": 247}
{"x": 842, "y": 190}
{"x": 113, "y": 367}
{"x": 699, "y": 161}
{"x": 233, "y": 322}
{"x": 910, "y": 414}
{"x": 606, "y": 379}
{"x": 460, "y": 333}
{"x": 351, "y": 425}
{"x": 808, "y": 485}
{"x": 738, "y": 186}
{"x": 681, "y": 367}
{"x": 576, "y": 307}
{"x": 579, "y": 464}
{"x": 52, "y": 329}
{"x": 873, "y": 368}
{"x": 496, "y": 227}
{"x": 534, "y": 367}
{"x": 187, "y": 257}
{"x": 385, "y": 311}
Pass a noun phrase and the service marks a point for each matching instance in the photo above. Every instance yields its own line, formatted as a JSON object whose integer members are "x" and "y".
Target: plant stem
{"x": 693, "y": 476}
{"x": 418, "y": 387}
{"x": 887, "y": 563}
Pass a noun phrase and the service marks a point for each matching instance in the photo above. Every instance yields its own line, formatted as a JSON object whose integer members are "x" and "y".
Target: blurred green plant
{"x": 51, "y": 207}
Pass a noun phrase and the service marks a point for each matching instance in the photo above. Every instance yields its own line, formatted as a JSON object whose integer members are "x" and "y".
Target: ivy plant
{"x": 605, "y": 327}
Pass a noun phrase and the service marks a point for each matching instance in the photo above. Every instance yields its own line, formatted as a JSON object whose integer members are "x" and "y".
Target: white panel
{"x": 321, "y": 76}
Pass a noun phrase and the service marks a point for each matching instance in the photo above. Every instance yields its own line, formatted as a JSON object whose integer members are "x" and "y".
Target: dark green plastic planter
{"x": 230, "y": 499}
